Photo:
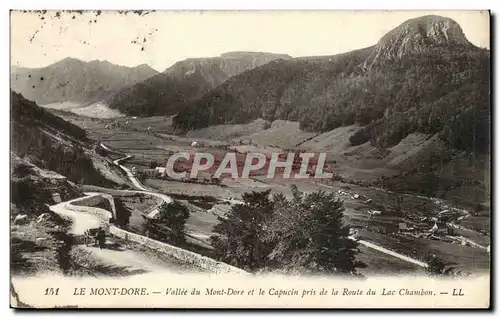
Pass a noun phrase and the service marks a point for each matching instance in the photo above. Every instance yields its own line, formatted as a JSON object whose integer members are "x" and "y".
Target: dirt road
{"x": 81, "y": 221}
{"x": 133, "y": 261}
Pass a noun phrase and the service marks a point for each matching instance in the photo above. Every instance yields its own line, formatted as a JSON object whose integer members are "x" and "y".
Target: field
{"x": 138, "y": 204}
{"x": 229, "y": 132}
{"x": 360, "y": 163}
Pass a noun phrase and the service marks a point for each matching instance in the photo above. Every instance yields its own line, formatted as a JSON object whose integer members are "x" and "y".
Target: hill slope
{"x": 423, "y": 76}
{"x": 76, "y": 81}
{"x": 166, "y": 93}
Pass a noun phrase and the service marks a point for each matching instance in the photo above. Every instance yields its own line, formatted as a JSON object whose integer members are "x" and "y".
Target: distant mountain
{"x": 76, "y": 81}
{"x": 423, "y": 76}
{"x": 165, "y": 93}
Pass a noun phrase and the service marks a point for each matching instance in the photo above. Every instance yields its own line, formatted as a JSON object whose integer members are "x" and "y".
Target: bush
{"x": 173, "y": 216}
{"x": 122, "y": 213}
{"x": 361, "y": 136}
{"x": 239, "y": 238}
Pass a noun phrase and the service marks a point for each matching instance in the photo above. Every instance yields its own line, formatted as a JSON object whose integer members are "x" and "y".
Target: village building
{"x": 442, "y": 228}
{"x": 403, "y": 226}
{"x": 151, "y": 173}
{"x": 161, "y": 170}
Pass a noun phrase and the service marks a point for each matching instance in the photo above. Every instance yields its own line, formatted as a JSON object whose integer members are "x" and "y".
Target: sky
{"x": 162, "y": 38}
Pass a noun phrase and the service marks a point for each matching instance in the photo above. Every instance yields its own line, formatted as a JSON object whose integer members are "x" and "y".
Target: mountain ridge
{"x": 186, "y": 80}
{"x": 71, "y": 79}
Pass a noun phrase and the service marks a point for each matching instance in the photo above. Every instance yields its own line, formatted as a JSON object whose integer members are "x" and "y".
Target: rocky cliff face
{"x": 30, "y": 183}
{"x": 418, "y": 36}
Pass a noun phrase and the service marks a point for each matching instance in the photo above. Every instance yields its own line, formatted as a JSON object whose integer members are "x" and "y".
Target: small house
{"x": 374, "y": 213}
{"x": 161, "y": 170}
{"x": 403, "y": 226}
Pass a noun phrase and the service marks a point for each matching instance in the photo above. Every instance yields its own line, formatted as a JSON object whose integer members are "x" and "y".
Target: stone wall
{"x": 204, "y": 262}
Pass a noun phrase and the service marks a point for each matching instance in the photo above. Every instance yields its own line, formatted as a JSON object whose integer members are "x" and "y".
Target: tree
{"x": 122, "y": 213}
{"x": 23, "y": 192}
{"x": 173, "y": 216}
{"x": 100, "y": 151}
{"x": 239, "y": 237}
{"x": 308, "y": 234}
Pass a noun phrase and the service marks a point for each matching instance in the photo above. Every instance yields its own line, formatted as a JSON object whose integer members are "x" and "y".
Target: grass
{"x": 379, "y": 263}
{"x": 228, "y": 132}
{"x": 362, "y": 162}
{"x": 462, "y": 257}
{"x": 84, "y": 264}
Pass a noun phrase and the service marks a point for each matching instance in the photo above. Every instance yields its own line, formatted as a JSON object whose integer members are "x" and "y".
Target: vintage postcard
{"x": 250, "y": 159}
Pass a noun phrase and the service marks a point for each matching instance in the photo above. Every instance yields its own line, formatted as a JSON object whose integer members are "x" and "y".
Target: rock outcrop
{"x": 416, "y": 36}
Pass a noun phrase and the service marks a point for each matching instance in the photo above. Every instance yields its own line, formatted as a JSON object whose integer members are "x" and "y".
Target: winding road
{"x": 84, "y": 218}
{"x": 81, "y": 221}
{"x": 142, "y": 189}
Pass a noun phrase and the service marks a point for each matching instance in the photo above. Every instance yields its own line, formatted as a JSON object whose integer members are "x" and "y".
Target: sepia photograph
{"x": 250, "y": 159}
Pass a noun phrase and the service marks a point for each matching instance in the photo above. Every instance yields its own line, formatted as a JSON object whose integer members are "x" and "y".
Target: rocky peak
{"x": 418, "y": 35}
